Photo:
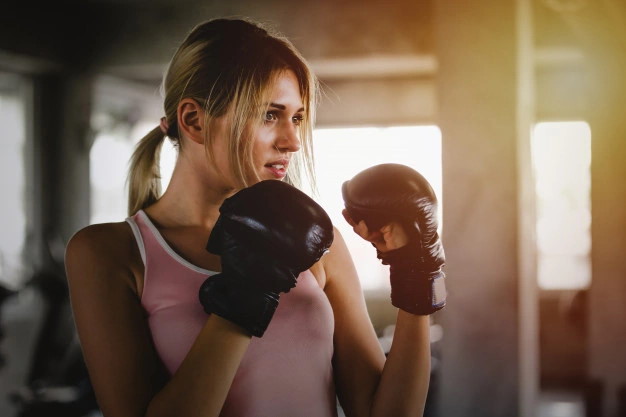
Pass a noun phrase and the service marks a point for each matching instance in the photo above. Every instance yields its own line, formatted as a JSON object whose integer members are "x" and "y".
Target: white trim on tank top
{"x": 135, "y": 228}
{"x": 168, "y": 248}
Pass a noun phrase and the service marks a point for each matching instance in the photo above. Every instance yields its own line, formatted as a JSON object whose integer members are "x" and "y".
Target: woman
{"x": 239, "y": 105}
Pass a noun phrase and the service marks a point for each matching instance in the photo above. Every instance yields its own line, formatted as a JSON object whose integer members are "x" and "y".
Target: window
{"x": 342, "y": 153}
{"x": 13, "y": 181}
{"x": 109, "y": 158}
{"x": 561, "y": 155}
{"x": 109, "y": 162}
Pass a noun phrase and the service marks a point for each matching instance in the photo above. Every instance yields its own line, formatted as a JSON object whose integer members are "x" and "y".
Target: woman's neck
{"x": 191, "y": 199}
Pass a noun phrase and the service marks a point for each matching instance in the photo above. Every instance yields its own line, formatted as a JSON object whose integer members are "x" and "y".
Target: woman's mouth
{"x": 277, "y": 169}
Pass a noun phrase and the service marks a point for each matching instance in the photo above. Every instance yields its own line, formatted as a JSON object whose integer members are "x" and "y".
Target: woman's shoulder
{"x": 337, "y": 257}
{"x": 102, "y": 237}
{"x": 106, "y": 247}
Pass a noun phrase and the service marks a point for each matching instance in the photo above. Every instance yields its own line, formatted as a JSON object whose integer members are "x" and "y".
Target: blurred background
{"x": 512, "y": 109}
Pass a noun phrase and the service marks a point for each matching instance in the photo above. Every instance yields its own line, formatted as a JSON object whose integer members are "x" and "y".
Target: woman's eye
{"x": 297, "y": 120}
{"x": 270, "y": 116}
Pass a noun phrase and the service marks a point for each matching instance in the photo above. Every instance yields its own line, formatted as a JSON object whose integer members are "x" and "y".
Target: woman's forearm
{"x": 200, "y": 385}
{"x": 404, "y": 382}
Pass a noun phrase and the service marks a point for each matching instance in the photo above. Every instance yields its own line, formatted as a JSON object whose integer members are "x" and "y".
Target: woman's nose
{"x": 288, "y": 139}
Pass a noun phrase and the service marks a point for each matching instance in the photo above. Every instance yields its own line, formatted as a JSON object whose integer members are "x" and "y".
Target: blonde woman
{"x": 239, "y": 106}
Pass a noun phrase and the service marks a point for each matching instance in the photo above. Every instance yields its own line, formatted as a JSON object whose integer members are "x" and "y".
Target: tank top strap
{"x": 154, "y": 247}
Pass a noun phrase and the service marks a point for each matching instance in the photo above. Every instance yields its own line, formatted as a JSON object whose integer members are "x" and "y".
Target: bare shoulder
{"x": 338, "y": 270}
{"x": 107, "y": 247}
{"x": 100, "y": 235}
{"x": 101, "y": 243}
{"x": 338, "y": 262}
{"x": 337, "y": 251}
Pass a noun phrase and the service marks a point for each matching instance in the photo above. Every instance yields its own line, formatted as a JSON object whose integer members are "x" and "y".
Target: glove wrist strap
{"x": 421, "y": 296}
{"x": 249, "y": 308}
{"x": 414, "y": 288}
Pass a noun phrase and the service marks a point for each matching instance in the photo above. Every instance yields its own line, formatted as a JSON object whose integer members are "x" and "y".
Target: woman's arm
{"x": 367, "y": 384}
{"x": 404, "y": 383}
{"x": 126, "y": 373}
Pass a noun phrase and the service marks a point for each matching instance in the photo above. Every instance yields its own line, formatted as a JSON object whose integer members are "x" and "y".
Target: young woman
{"x": 239, "y": 106}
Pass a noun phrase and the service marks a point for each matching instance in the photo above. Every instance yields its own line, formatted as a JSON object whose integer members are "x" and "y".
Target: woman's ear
{"x": 191, "y": 120}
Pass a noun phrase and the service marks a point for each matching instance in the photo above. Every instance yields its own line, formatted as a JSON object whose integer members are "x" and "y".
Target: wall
{"x": 476, "y": 87}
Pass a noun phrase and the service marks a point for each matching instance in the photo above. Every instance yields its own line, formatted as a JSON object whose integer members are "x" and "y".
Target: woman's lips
{"x": 278, "y": 168}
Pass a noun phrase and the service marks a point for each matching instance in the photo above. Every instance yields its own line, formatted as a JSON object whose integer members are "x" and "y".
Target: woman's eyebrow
{"x": 282, "y": 107}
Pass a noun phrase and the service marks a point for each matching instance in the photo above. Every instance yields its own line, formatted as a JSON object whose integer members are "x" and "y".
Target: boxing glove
{"x": 389, "y": 193}
{"x": 265, "y": 235}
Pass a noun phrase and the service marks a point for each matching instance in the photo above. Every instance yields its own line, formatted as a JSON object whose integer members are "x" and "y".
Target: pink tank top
{"x": 287, "y": 372}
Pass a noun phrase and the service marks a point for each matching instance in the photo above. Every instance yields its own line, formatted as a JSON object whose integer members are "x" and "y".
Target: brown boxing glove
{"x": 389, "y": 193}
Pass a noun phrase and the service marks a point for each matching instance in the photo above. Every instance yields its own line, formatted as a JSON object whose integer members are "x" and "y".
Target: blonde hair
{"x": 226, "y": 64}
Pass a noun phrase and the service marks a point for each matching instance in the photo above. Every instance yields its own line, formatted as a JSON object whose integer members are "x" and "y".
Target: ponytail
{"x": 144, "y": 176}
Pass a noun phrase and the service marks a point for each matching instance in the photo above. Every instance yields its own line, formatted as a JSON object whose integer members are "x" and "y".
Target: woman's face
{"x": 278, "y": 137}
{"x": 275, "y": 138}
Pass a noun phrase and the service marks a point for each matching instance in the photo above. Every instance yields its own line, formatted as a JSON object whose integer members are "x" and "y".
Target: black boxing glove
{"x": 266, "y": 235}
{"x": 389, "y": 193}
